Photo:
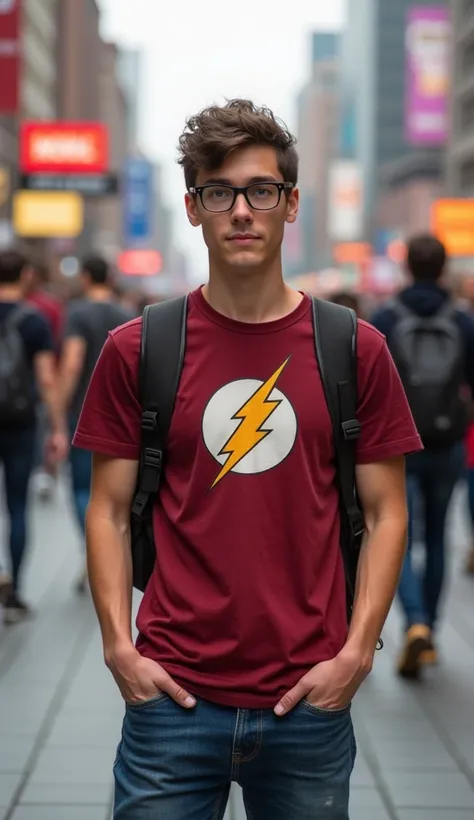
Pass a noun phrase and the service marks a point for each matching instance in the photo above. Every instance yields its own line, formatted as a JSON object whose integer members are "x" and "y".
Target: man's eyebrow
{"x": 251, "y": 181}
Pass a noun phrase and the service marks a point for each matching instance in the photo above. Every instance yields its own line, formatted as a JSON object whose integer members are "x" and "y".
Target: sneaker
{"x": 44, "y": 486}
{"x": 417, "y": 641}
{"x": 15, "y": 610}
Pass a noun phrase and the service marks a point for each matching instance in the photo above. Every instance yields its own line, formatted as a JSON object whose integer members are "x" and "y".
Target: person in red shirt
{"x": 245, "y": 667}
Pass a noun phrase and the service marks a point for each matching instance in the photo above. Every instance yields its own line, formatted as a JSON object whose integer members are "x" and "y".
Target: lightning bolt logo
{"x": 253, "y": 415}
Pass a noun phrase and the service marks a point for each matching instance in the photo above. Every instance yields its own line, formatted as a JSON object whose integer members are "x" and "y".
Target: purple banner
{"x": 427, "y": 76}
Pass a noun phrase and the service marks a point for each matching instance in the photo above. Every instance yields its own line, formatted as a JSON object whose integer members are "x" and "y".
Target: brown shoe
{"x": 417, "y": 641}
{"x": 430, "y": 657}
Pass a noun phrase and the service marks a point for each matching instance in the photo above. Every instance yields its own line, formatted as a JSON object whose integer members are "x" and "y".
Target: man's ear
{"x": 292, "y": 205}
{"x": 190, "y": 202}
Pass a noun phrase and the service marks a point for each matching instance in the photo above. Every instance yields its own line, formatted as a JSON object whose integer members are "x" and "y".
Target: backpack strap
{"x": 14, "y": 317}
{"x": 163, "y": 344}
{"x": 335, "y": 337}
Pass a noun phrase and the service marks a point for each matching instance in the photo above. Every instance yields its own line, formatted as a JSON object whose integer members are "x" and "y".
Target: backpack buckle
{"x": 351, "y": 429}
{"x": 357, "y": 523}
{"x": 149, "y": 420}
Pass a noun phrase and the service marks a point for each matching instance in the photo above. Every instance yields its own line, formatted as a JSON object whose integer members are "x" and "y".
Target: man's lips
{"x": 243, "y": 237}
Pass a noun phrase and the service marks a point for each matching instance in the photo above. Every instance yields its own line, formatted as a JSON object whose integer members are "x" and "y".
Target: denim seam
{"x": 258, "y": 746}
{"x": 236, "y": 754}
{"x": 218, "y": 806}
{"x": 155, "y": 699}
{"x": 316, "y": 710}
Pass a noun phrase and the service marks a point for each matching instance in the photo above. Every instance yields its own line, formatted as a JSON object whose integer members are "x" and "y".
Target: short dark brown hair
{"x": 12, "y": 265}
{"x": 426, "y": 257}
{"x": 213, "y": 134}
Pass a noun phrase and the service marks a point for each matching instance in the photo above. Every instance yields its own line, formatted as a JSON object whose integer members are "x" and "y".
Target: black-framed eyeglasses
{"x": 262, "y": 196}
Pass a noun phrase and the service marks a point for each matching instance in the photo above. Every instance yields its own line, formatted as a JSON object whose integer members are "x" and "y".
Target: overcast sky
{"x": 196, "y": 53}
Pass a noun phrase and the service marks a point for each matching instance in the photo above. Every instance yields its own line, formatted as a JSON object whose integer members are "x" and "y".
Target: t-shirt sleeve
{"x": 387, "y": 426}
{"x": 110, "y": 421}
{"x": 75, "y": 325}
{"x": 37, "y": 335}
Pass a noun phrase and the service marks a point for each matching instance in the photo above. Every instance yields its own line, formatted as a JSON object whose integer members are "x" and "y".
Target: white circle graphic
{"x": 260, "y": 438}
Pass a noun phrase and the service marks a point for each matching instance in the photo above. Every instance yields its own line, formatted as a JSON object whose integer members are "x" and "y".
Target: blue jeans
{"x": 431, "y": 478}
{"x": 175, "y": 764}
{"x": 17, "y": 455}
{"x": 81, "y": 474}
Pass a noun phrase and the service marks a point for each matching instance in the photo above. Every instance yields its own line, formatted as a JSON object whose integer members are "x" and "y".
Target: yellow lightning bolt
{"x": 253, "y": 414}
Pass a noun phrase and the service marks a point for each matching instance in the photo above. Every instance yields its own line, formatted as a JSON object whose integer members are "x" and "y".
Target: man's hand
{"x": 57, "y": 448}
{"x": 140, "y": 679}
{"x": 330, "y": 685}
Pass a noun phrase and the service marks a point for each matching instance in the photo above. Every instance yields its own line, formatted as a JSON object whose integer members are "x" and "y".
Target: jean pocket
{"x": 321, "y": 711}
{"x": 142, "y": 704}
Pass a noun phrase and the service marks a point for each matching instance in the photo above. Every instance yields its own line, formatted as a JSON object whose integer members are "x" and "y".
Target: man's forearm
{"x": 110, "y": 577}
{"x": 51, "y": 397}
{"x": 379, "y": 571}
{"x": 69, "y": 382}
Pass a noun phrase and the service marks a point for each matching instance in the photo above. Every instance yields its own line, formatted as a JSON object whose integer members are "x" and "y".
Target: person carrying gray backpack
{"x": 432, "y": 344}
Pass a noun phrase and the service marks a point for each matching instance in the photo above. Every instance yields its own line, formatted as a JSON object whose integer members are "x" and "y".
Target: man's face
{"x": 243, "y": 237}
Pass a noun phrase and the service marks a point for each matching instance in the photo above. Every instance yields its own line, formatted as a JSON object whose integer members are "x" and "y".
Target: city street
{"x": 60, "y": 714}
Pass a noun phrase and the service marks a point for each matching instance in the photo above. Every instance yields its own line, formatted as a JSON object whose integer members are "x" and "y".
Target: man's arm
{"x": 48, "y": 386}
{"x": 382, "y": 492}
{"x": 72, "y": 363}
{"x": 110, "y": 576}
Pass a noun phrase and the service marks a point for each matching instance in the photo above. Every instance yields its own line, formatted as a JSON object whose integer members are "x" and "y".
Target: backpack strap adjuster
{"x": 351, "y": 429}
{"x": 149, "y": 420}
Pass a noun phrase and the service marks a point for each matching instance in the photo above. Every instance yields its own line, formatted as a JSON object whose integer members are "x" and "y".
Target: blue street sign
{"x": 138, "y": 201}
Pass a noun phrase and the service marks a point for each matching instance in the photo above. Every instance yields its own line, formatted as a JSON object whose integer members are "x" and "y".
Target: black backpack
{"x": 429, "y": 353}
{"x": 164, "y": 328}
{"x": 17, "y": 394}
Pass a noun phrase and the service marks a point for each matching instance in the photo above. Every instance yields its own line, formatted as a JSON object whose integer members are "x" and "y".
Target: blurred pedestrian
{"x": 27, "y": 376}
{"x": 244, "y": 667}
{"x": 88, "y": 323}
{"x": 37, "y": 292}
{"x": 432, "y": 343}
{"x": 348, "y": 299}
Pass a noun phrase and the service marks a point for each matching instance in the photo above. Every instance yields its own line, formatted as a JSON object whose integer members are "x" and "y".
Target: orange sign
{"x": 64, "y": 147}
{"x": 140, "y": 262}
{"x": 352, "y": 253}
{"x": 452, "y": 221}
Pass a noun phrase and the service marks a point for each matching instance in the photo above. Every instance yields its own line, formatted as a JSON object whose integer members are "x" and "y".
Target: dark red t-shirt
{"x": 53, "y": 310}
{"x": 248, "y": 592}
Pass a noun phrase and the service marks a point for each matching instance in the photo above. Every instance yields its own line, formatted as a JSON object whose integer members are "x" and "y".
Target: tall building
{"x": 39, "y": 66}
{"x": 37, "y": 101}
{"x": 113, "y": 111}
{"x": 373, "y": 88}
{"x": 129, "y": 67}
{"x": 317, "y": 116}
{"x": 460, "y": 155}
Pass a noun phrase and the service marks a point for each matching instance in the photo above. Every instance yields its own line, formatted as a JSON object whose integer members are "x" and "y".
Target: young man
{"x": 27, "y": 367}
{"x": 88, "y": 323}
{"x": 244, "y": 667}
{"x": 445, "y": 352}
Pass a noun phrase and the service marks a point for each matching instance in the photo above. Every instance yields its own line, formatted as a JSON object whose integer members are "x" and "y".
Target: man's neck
{"x": 11, "y": 293}
{"x": 99, "y": 293}
{"x": 250, "y": 297}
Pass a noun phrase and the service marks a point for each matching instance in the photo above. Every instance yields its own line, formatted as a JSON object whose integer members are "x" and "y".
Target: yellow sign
{"x": 48, "y": 214}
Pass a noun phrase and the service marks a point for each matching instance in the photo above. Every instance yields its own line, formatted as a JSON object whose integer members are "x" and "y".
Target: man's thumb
{"x": 289, "y": 701}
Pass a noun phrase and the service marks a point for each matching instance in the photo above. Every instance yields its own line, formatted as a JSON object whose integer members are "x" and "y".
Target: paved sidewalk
{"x": 60, "y": 715}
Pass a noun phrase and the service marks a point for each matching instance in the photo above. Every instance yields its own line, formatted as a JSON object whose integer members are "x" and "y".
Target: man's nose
{"x": 242, "y": 210}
